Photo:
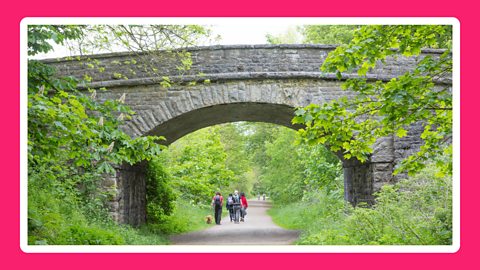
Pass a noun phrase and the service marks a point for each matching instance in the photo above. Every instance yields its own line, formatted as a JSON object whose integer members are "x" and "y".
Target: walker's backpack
{"x": 236, "y": 199}
{"x": 218, "y": 201}
{"x": 230, "y": 200}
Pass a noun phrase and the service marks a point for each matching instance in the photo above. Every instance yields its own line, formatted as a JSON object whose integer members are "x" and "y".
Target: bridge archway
{"x": 194, "y": 120}
{"x": 131, "y": 203}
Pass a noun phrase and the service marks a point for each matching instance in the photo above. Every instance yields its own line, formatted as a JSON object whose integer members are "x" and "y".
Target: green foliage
{"x": 316, "y": 34}
{"x": 352, "y": 125}
{"x": 75, "y": 138}
{"x": 236, "y": 156}
{"x": 283, "y": 173}
{"x": 320, "y": 210}
{"x": 257, "y": 135}
{"x": 80, "y": 235}
{"x": 40, "y": 36}
{"x": 284, "y": 169}
{"x": 184, "y": 218}
{"x": 160, "y": 195}
{"x": 74, "y": 141}
{"x": 328, "y": 34}
{"x": 322, "y": 170}
{"x": 375, "y": 42}
{"x": 198, "y": 166}
{"x": 62, "y": 220}
{"x": 416, "y": 211}
{"x": 291, "y": 36}
{"x": 255, "y": 138}
{"x": 234, "y": 140}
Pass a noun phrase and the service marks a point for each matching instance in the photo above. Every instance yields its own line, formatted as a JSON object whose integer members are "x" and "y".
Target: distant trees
{"x": 316, "y": 34}
{"x": 198, "y": 166}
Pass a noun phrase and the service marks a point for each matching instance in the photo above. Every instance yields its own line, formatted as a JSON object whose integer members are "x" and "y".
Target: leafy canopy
{"x": 328, "y": 34}
{"x": 317, "y": 34}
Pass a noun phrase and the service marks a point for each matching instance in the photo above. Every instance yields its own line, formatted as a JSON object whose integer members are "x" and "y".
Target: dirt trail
{"x": 258, "y": 229}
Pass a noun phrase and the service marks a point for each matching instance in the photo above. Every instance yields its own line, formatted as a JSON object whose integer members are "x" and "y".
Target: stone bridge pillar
{"x": 357, "y": 181}
{"x": 131, "y": 196}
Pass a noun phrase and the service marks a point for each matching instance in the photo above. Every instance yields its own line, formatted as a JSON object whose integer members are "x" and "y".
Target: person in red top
{"x": 217, "y": 203}
{"x": 243, "y": 211}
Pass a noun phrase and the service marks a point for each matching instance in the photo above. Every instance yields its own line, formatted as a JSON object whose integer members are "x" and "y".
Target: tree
{"x": 136, "y": 38}
{"x": 198, "y": 166}
{"x": 150, "y": 45}
{"x": 283, "y": 174}
{"x": 71, "y": 134}
{"x": 74, "y": 142}
{"x": 316, "y": 34}
{"x": 328, "y": 34}
{"x": 384, "y": 108}
{"x": 234, "y": 139}
{"x": 159, "y": 192}
{"x": 291, "y": 36}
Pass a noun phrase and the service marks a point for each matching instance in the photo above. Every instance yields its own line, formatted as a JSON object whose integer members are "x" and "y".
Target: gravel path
{"x": 258, "y": 229}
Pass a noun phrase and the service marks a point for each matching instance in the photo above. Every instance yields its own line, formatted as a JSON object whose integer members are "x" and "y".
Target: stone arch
{"x": 191, "y": 121}
{"x": 232, "y": 100}
{"x": 256, "y": 104}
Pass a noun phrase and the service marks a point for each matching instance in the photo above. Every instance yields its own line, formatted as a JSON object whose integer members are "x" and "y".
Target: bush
{"x": 89, "y": 235}
{"x": 55, "y": 217}
{"x": 186, "y": 217}
{"x": 416, "y": 211}
{"x": 159, "y": 194}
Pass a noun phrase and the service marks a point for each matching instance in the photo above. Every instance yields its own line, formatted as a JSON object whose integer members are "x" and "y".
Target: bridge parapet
{"x": 217, "y": 62}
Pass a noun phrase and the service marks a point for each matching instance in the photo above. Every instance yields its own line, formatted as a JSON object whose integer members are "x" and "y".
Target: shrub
{"x": 159, "y": 194}
{"x": 415, "y": 211}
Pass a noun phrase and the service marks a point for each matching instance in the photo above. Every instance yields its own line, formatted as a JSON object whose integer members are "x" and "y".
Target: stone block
{"x": 382, "y": 167}
{"x": 382, "y": 176}
{"x": 109, "y": 182}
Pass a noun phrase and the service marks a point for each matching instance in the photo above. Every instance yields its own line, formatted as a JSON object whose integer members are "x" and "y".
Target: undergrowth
{"x": 415, "y": 211}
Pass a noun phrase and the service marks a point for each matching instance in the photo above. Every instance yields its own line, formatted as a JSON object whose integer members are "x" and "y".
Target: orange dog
{"x": 208, "y": 219}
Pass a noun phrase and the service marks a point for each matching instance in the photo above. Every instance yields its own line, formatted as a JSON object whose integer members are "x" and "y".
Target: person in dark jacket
{"x": 236, "y": 207}
{"x": 217, "y": 204}
{"x": 244, "y": 206}
{"x": 229, "y": 206}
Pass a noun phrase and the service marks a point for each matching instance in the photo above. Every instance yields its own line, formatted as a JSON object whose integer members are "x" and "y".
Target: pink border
{"x": 15, "y": 11}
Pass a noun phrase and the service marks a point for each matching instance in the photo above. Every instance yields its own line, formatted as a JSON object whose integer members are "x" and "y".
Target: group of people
{"x": 236, "y": 205}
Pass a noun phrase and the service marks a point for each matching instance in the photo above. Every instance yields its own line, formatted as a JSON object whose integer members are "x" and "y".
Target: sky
{"x": 248, "y": 34}
{"x": 232, "y": 30}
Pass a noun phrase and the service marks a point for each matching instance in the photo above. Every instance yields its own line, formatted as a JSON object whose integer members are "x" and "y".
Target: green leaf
{"x": 300, "y": 112}
{"x": 401, "y": 132}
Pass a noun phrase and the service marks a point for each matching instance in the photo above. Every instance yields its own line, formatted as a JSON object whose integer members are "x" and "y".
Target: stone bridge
{"x": 260, "y": 83}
